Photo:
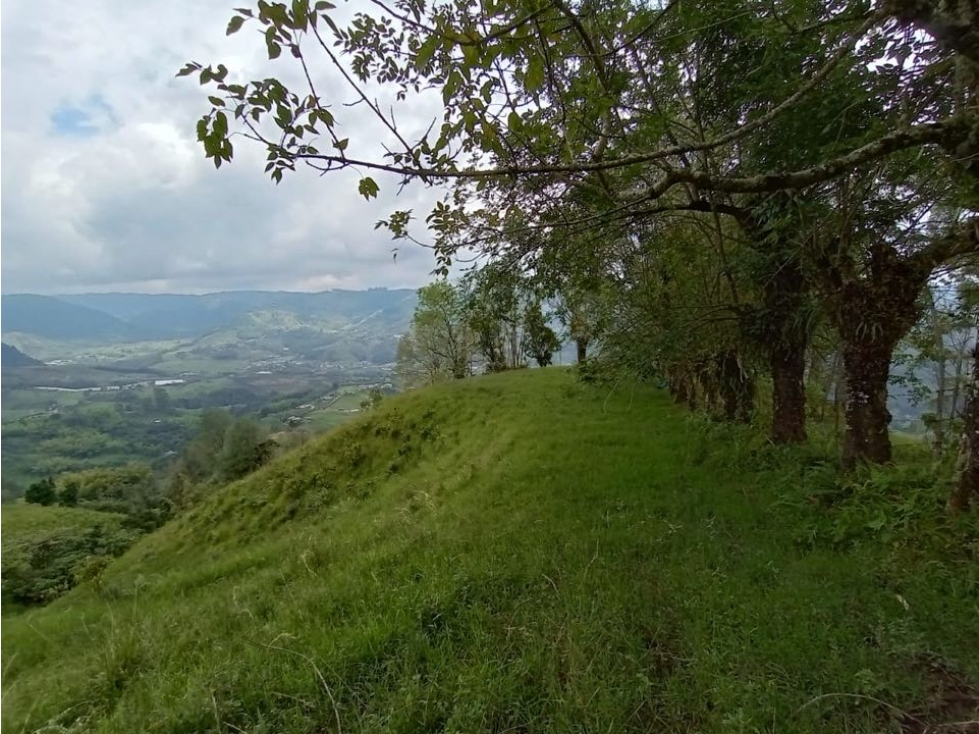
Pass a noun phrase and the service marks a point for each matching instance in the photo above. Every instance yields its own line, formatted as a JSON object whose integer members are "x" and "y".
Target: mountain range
{"x": 115, "y": 317}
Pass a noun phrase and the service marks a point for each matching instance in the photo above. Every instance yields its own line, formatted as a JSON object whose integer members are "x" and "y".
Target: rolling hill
{"x": 522, "y": 553}
{"x": 168, "y": 316}
{"x": 161, "y": 331}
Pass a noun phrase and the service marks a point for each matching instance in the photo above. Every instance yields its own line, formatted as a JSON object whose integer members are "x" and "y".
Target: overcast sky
{"x": 106, "y": 189}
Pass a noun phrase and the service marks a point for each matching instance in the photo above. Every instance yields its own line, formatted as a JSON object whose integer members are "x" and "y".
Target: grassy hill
{"x": 521, "y": 553}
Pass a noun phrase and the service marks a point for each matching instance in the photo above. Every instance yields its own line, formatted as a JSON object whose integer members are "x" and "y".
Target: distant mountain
{"x": 55, "y": 318}
{"x": 11, "y": 357}
{"x": 170, "y": 316}
{"x": 110, "y": 317}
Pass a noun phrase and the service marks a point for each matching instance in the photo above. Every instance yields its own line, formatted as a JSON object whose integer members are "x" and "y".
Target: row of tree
{"x": 737, "y": 189}
{"x": 490, "y": 321}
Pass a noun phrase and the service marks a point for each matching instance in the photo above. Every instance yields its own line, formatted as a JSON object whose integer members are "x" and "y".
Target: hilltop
{"x": 522, "y": 552}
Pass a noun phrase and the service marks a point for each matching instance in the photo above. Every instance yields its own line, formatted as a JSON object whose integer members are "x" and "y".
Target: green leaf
{"x": 188, "y": 69}
{"x": 514, "y": 121}
{"x": 534, "y": 76}
{"x": 426, "y": 51}
{"x": 216, "y": 101}
{"x": 451, "y": 85}
{"x": 333, "y": 26}
{"x": 271, "y": 43}
{"x": 324, "y": 5}
{"x": 368, "y": 188}
{"x": 234, "y": 25}
{"x": 220, "y": 125}
{"x": 341, "y": 145}
{"x": 300, "y": 14}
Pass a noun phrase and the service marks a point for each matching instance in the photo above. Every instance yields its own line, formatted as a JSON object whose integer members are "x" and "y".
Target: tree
{"x": 936, "y": 361}
{"x": 200, "y": 456}
{"x": 493, "y": 298}
{"x": 440, "y": 344}
{"x": 244, "y": 449}
{"x": 43, "y": 492}
{"x": 539, "y": 340}
{"x": 966, "y": 491}
{"x": 581, "y": 312}
{"x": 871, "y": 271}
{"x": 68, "y": 496}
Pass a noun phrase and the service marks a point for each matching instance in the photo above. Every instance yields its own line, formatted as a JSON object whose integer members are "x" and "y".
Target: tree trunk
{"x": 678, "y": 387}
{"x": 788, "y": 366}
{"x": 737, "y": 388}
{"x": 866, "y": 365}
{"x": 784, "y": 334}
{"x": 582, "y": 345}
{"x": 966, "y": 492}
{"x": 705, "y": 375}
{"x": 941, "y": 416}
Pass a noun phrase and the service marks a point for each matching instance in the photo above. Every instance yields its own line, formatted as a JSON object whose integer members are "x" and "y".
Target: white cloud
{"x": 105, "y": 187}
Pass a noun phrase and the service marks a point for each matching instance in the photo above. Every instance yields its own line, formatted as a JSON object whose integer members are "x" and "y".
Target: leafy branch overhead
{"x": 581, "y": 97}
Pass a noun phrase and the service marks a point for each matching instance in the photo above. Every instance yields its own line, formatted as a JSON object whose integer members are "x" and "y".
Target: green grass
{"x": 517, "y": 553}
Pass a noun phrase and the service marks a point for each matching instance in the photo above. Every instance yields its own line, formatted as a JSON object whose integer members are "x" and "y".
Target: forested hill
{"x": 524, "y": 552}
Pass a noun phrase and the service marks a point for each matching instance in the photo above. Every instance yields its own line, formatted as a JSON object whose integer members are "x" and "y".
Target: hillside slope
{"x": 514, "y": 553}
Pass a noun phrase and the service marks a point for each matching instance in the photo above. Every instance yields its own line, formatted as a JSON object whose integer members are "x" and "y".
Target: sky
{"x": 104, "y": 187}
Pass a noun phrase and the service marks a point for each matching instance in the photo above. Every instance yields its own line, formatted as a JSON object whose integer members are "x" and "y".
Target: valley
{"x": 108, "y": 379}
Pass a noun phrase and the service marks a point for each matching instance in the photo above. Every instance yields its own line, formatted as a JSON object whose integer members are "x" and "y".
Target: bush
{"x": 42, "y": 493}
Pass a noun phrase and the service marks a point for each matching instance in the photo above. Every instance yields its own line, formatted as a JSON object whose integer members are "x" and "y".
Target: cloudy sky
{"x": 106, "y": 189}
